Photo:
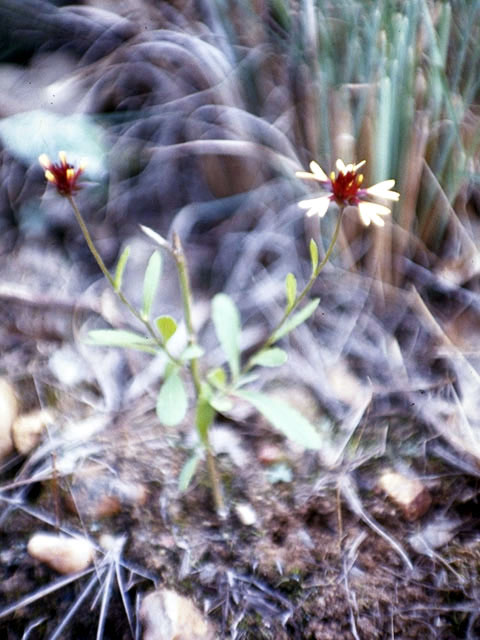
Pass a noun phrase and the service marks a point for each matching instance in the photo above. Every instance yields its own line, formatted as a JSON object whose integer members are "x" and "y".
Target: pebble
{"x": 28, "y": 428}
{"x": 97, "y": 493}
{"x": 269, "y": 454}
{"x": 8, "y": 413}
{"x": 65, "y": 555}
{"x": 246, "y": 514}
{"x": 436, "y": 534}
{"x": 166, "y": 615}
{"x": 407, "y": 492}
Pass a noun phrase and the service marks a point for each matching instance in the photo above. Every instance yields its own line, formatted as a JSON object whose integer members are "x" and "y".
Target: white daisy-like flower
{"x": 345, "y": 188}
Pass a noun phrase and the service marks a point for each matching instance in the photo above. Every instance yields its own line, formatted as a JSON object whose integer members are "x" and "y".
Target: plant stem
{"x": 271, "y": 338}
{"x": 187, "y": 298}
{"x": 89, "y": 241}
{"x": 184, "y": 279}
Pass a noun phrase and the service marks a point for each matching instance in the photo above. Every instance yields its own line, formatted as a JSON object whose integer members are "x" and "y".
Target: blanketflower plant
{"x": 216, "y": 389}
{"x": 345, "y": 188}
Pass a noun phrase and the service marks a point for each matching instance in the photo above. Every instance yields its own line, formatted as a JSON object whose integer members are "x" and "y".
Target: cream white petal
{"x": 364, "y": 217}
{"x": 306, "y": 175}
{"x": 44, "y": 160}
{"x": 315, "y": 206}
{"x": 370, "y": 212}
{"x": 380, "y": 222}
{"x": 359, "y": 164}
{"x": 340, "y": 166}
{"x": 318, "y": 172}
{"x": 382, "y": 190}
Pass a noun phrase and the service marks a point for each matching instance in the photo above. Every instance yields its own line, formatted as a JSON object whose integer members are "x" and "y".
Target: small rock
{"x": 246, "y": 513}
{"x": 167, "y": 615}
{"x": 96, "y": 493}
{"x": 8, "y": 413}
{"x": 28, "y": 429}
{"x": 436, "y": 534}
{"x": 269, "y": 454}
{"x": 406, "y": 492}
{"x": 225, "y": 440}
{"x": 65, "y": 555}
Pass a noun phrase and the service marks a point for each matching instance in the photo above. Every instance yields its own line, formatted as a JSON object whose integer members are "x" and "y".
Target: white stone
{"x": 8, "y": 413}
{"x": 166, "y": 615}
{"x": 65, "y": 555}
{"x": 246, "y": 514}
{"x": 28, "y": 428}
{"x": 407, "y": 492}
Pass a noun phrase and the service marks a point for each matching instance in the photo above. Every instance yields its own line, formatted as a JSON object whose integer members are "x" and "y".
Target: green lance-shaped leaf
{"x": 221, "y": 403}
{"x": 150, "y": 283}
{"x": 226, "y": 320}
{"x": 167, "y": 327}
{"x": 192, "y": 352}
{"x": 172, "y": 402}
{"x": 290, "y": 290}
{"x": 121, "y": 338}
{"x": 296, "y": 319}
{"x": 188, "y": 471}
{"x": 313, "y": 255}
{"x": 121, "y": 264}
{"x": 284, "y": 418}
{"x": 245, "y": 379}
{"x": 274, "y": 357}
{"x": 217, "y": 378}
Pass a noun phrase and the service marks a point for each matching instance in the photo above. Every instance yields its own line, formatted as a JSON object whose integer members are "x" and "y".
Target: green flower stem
{"x": 187, "y": 298}
{"x": 184, "y": 279}
{"x": 301, "y": 296}
{"x": 106, "y": 273}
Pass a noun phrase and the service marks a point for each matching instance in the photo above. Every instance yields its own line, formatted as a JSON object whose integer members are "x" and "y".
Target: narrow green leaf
{"x": 172, "y": 401}
{"x": 203, "y": 418}
{"x": 167, "y": 327}
{"x": 187, "y": 472}
{"x": 284, "y": 418}
{"x": 122, "y": 263}
{"x": 296, "y": 319}
{"x": 192, "y": 351}
{"x": 246, "y": 379}
{"x": 274, "y": 357}
{"x": 121, "y": 338}
{"x": 291, "y": 290}
{"x": 217, "y": 377}
{"x": 150, "y": 283}
{"x": 226, "y": 320}
{"x": 221, "y": 403}
{"x": 313, "y": 255}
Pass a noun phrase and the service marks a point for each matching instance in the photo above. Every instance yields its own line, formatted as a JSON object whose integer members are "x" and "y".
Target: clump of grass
{"x": 392, "y": 83}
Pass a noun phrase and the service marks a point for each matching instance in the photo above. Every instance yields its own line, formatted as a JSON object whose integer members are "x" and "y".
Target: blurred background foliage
{"x": 207, "y": 108}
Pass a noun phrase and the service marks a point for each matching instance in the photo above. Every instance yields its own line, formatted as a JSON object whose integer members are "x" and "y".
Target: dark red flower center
{"x": 346, "y": 186}
{"x": 66, "y": 177}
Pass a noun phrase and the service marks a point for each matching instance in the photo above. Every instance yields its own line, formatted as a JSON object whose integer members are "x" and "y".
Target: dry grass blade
{"x": 57, "y": 634}
{"x": 41, "y": 593}
{"x": 350, "y": 494}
